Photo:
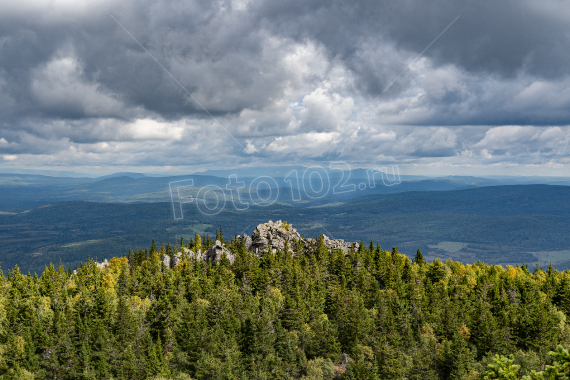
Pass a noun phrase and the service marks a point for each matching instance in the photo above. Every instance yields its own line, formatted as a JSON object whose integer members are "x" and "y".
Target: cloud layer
{"x": 248, "y": 82}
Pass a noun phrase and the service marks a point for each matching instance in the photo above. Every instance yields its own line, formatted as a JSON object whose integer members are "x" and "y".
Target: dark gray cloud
{"x": 223, "y": 56}
{"x": 289, "y": 81}
{"x": 501, "y": 38}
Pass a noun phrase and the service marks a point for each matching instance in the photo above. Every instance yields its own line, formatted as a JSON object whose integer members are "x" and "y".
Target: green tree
{"x": 419, "y": 258}
{"x": 502, "y": 368}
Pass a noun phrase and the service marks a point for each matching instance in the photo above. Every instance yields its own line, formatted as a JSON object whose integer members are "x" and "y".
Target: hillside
{"x": 21, "y": 192}
{"x": 499, "y": 224}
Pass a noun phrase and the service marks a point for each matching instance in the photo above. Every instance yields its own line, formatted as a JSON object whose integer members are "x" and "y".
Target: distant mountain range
{"x": 294, "y": 185}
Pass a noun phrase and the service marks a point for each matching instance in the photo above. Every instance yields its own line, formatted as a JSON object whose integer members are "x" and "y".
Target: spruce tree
{"x": 419, "y": 258}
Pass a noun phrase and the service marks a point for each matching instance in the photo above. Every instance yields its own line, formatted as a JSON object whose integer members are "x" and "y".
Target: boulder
{"x": 165, "y": 260}
{"x": 339, "y": 244}
{"x": 191, "y": 254}
{"x": 216, "y": 251}
{"x": 274, "y": 234}
{"x": 176, "y": 259}
{"x": 247, "y": 241}
{"x": 102, "y": 265}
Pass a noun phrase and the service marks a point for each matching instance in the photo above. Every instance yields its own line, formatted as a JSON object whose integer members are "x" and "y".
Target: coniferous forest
{"x": 317, "y": 314}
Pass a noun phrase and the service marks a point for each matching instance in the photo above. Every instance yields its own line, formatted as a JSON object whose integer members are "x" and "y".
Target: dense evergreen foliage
{"x": 368, "y": 314}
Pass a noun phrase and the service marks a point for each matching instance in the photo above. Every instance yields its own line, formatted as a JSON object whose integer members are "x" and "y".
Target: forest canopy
{"x": 290, "y": 314}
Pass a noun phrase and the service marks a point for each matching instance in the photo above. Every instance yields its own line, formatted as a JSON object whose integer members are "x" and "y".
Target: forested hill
{"x": 301, "y": 312}
{"x": 498, "y": 225}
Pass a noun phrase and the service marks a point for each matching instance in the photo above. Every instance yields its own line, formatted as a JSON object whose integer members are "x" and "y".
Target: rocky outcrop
{"x": 276, "y": 235}
{"x": 176, "y": 259}
{"x": 246, "y": 240}
{"x": 191, "y": 254}
{"x": 102, "y": 265}
{"x": 216, "y": 252}
{"x": 165, "y": 259}
{"x": 339, "y": 244}
{"x": 172, "y": 261}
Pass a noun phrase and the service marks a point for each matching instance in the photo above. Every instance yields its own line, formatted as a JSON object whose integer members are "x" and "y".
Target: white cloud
{"x": 147, "y": 129}
{"x": 250, "y": 148}
{"x": 49, "y": 12}
{"x": 60, "y": 86}
{"x": 305, "y": 144}
{"x": 324, "y": 111}
{"x": 503, "y": 138}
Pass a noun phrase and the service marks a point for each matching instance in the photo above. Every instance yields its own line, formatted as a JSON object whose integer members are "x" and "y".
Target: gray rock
{"x": 102, "y": 265}
{"x": 278, "y": 234}
{"x": 176, "y": 259}
{"x": 247, "y": 241}
{"x": 339, "y": 244}
{"x": 216, "y": 251}
{"x": 165, "y": 260}
{"x": 191, "y": 254}
{"x": 344, "y": 361}
{"x": 275, "y": 234}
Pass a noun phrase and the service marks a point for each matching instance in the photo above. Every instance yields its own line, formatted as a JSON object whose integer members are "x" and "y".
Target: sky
{"x": 436, "y": 87}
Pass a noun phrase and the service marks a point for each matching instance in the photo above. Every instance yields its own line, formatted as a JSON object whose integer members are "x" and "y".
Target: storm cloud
{"x": 251, "y": 82}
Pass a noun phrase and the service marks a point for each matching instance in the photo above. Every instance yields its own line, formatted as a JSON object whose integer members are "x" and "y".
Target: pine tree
{"x": 456, "y": 359}
{"x": 502, "y": 368}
